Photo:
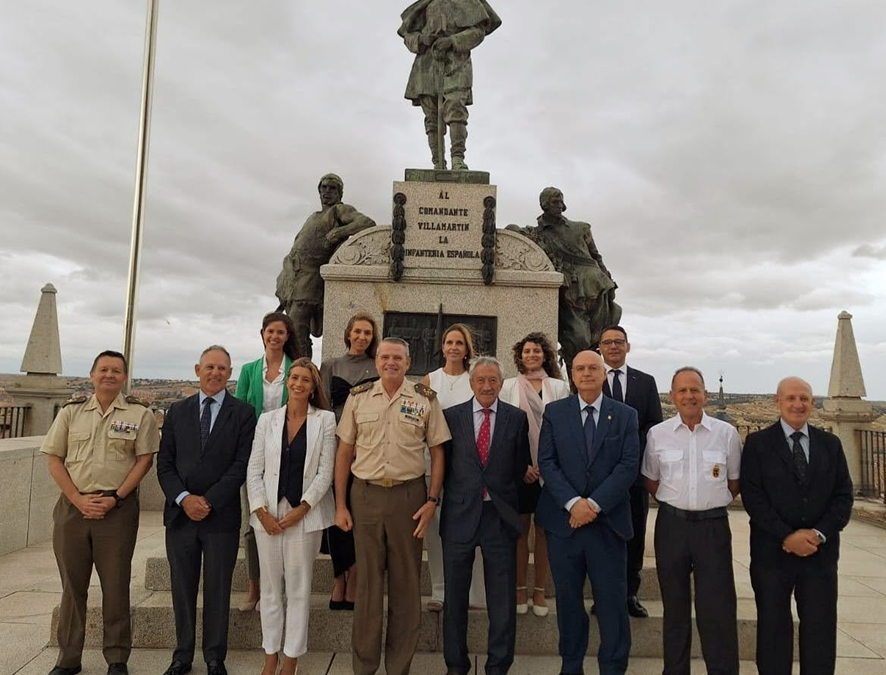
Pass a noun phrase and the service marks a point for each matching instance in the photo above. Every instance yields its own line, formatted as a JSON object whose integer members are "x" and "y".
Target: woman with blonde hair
{"x": 537, "y": 384}
{"x": 288, "y": 480}
{"x": 453, "y": 386}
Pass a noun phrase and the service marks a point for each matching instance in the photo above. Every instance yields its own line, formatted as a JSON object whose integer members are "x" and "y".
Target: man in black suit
{"x": 486, "y": 461}
{"x": 202, "y": 462}
{"x": 587, "y": 455}
{"x": 796, "y": 488}
{"x": 637, "y": 389}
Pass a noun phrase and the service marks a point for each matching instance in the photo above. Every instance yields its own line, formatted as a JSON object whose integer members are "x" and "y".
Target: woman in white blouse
{"x": 261, "y": 384}
{"x": 288, "y": 480}
{"x": 453, "y": 386}
{"x": 537, "y": 384}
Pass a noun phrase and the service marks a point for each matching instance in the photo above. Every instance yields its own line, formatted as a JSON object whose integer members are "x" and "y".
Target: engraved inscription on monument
{"x": 444, "y": 224}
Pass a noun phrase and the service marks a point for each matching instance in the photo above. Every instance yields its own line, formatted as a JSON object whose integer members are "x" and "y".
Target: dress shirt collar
{"x": 623, "y": 368}
{"x": 478, "y": 408}
{"x": 218, "y": 398}
{"x": 788, "y": 430}
{"x": 596, "y": 402}
{"x": 677, "y": 422}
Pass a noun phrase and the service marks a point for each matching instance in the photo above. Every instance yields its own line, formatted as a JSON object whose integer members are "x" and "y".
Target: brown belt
{"x": 387, "y": 482}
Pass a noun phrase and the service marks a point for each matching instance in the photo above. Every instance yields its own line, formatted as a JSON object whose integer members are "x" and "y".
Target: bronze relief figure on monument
{"x": 587, "y": 297}
{"x": 300, "y": 287}
{"x": 441, "y": 34}
{"x": 424, "y": 333}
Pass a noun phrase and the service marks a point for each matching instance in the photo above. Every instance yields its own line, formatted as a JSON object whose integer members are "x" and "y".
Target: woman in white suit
{"x": 288, "y": 482}
{"x": 537, "y": 384}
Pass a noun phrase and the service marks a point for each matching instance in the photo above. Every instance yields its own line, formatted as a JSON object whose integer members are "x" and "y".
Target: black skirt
{"x": 527, "y": 497}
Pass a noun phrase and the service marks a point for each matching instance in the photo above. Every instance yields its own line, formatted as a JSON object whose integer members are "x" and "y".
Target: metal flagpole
{"x": 141, "y": 170}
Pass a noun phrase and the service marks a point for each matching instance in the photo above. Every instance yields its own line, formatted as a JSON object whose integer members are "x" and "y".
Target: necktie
{"x": 484, "y": 437}
{"x": 801, "y": 464}
{"x": 617, "y": 393}
{"x": 590, "y": 429}
{"x": 206, "y": 421}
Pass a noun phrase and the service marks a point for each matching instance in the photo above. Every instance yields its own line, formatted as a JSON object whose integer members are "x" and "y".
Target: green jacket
{"x": 249, "y": 384}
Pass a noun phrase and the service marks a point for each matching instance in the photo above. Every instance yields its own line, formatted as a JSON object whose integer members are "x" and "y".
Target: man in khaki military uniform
{"x": 98, "y": 450}
{"x": 382, "y": 435}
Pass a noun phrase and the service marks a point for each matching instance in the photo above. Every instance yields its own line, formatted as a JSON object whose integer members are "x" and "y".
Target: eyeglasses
{"x": 613, "y": 343}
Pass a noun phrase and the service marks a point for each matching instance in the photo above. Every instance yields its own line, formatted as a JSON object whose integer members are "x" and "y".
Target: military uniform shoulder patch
{"x": 137, "y": 401}
{"x": 425, "y": 391}
{"x": 75, "y": 399}
{"x": 360, "y": 388}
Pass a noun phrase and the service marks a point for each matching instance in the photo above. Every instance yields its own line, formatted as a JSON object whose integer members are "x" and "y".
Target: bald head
{"x": 795, "y": 401}
{"x": 588, "y": 375}
{"x": 793, "y": 381}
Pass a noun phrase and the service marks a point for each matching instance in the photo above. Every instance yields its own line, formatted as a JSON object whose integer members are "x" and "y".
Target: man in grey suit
{"x": 486, "y": 461}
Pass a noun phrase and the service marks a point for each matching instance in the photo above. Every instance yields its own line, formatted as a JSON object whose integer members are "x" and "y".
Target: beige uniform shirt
{"x": 389, "y": 434}
{"x": 99, "y": 449}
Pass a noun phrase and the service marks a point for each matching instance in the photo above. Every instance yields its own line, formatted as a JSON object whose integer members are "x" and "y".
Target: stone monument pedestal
{"x": 442, "y": 260}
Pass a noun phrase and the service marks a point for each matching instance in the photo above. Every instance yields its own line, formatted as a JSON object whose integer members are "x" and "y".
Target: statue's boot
{"x": 458, "y": 135}
{"x": 438, "y": 160}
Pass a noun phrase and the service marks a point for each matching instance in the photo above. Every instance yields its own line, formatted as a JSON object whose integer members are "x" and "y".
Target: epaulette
{"x": 360, "y": 388}
{"x": 138, "y": 401}
{"x": 75, "y": 399}
{"x": 425, "y": 391}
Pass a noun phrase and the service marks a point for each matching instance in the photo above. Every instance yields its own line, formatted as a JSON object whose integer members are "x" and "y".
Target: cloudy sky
{"x": 730, "y": 156}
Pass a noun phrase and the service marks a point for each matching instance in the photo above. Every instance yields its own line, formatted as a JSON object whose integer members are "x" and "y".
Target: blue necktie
{"x": 206, "y": 421}
{"x": 617, "y": 393}
{"x": 590, "y": 429}
{"x": 801, "y": 465}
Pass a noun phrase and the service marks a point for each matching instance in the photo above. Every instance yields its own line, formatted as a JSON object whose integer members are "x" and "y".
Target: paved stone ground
{"x": 30, "y": 589}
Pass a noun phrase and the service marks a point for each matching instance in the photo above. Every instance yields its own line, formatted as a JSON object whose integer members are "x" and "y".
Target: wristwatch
{"x": 434, "y": 500}
{"x": 118, "y": 499}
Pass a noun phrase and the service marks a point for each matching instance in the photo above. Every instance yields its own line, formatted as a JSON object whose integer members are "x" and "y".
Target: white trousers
{"x": 434, "y": 547}
{"x": 287, "y": 569}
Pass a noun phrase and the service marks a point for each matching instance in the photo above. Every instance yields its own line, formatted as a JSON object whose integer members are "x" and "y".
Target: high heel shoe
{"x": 522, "y": 607}
{"x": 540, "y": 610}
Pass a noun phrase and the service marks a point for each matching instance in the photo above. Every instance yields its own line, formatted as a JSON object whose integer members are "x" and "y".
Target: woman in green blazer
{"x": 262, "y": 383}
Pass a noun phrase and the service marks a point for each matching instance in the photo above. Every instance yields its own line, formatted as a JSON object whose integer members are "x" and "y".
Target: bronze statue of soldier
{"x": 441, "y": 34}
{"x": 587, "y": 296}
{"x": 299, "y": 285}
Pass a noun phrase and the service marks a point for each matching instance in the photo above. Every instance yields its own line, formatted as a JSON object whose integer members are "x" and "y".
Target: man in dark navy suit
{"x": 637, "y": 389}
{"x": 204, "y": 451}
{"x": 795, "y": 486}
{"x": 486, "y": 461}
{"x": 588, "y": 455}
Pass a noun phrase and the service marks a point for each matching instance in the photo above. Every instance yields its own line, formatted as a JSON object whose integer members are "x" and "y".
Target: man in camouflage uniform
{"x": 299, "y": 285}
{"x": 98, "y": 450}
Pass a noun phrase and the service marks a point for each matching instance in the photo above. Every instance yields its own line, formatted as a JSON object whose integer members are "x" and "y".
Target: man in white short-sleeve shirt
{"x": 691, "y": 467}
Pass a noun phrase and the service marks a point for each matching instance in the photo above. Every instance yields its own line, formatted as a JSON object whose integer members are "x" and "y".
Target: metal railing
{"x": 872, "y": 446}
{"x": 12, "y": 420}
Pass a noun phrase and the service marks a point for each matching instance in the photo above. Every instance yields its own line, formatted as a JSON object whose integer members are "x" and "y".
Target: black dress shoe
{"x": 336, "y": 605}
{"x": 117, "y": 669}
{"x": 635, "y": 609}
{"x": 178, "y": 668}
{"x": 59, "y": 670}
{"x": 216, "y": 668}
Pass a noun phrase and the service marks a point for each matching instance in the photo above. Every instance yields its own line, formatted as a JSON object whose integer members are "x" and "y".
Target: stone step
{"x": 157, "y": 577}
{"x": 153, "y": 627}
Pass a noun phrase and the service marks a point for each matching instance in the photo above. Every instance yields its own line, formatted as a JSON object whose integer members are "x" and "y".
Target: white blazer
{"x": 263, "y": 472}
{"x": 510, "y": 391}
